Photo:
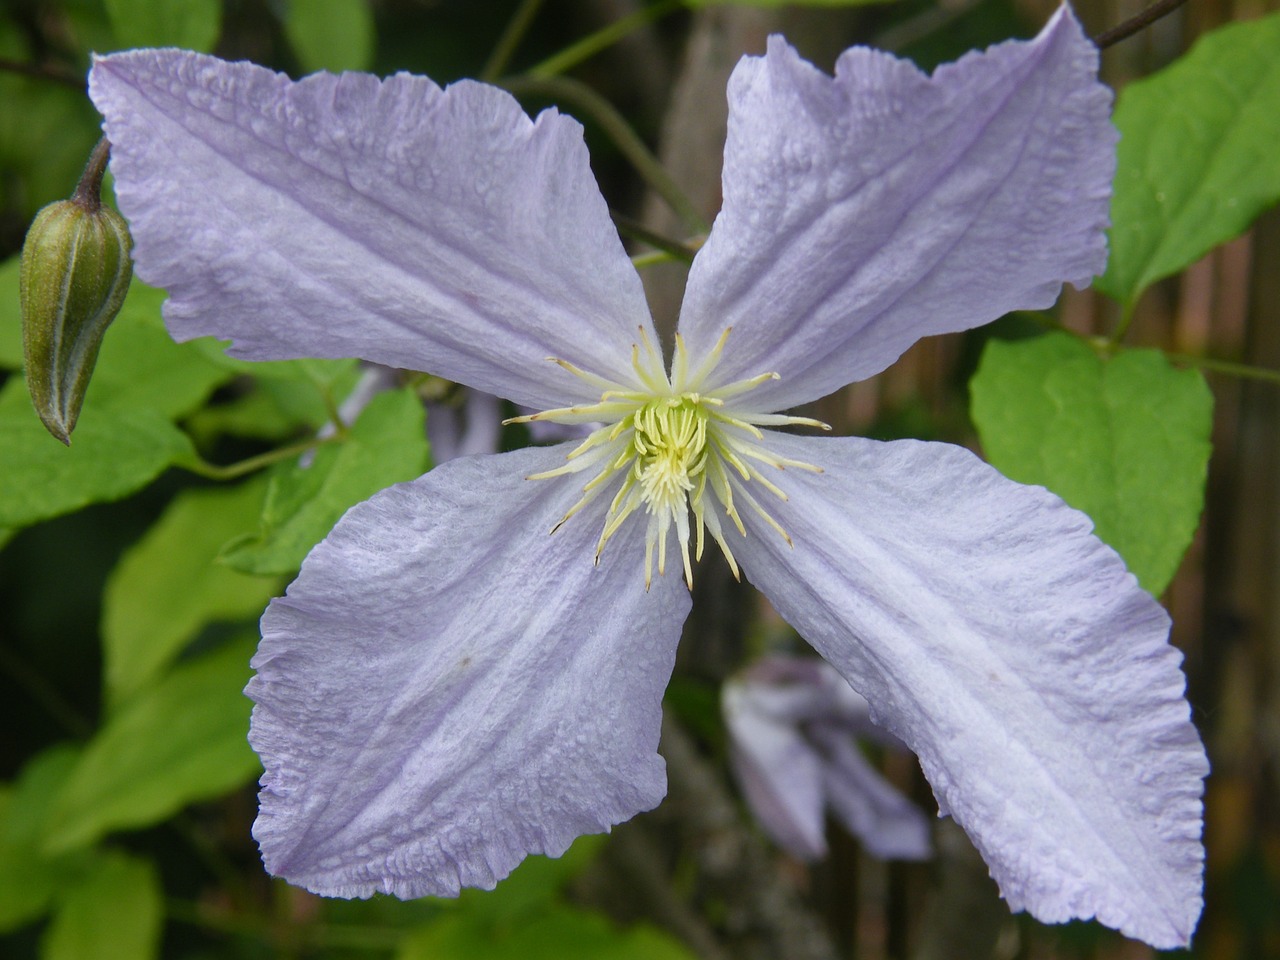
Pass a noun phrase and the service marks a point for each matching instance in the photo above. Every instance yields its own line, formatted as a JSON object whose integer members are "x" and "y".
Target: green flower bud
{"x": 74, "y": 276}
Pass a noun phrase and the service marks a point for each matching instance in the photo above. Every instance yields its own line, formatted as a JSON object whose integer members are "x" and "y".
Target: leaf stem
{"x": 593, "y": 43}
{"x": 1228, "y": 367}
{"x": 203, "y": 468}
{"x": 506, "y": 46}
{"x": 620, "y": 132}
{"x": 1126, "y": 318}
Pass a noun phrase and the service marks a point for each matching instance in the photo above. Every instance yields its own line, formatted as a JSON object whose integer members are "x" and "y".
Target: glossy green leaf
{"x": 1125, "y": 439}
{"x": 112, "y": 912}
{"x": 178, "y": 741}
{"x": 1197, "y": 156}
{"x": 168, "y": 586}
{"x": 332, "y": 35}
{"x": 28, "y": 878}
{"x": 385, "y": 445}
{"x": 192, "y": 24}
{"x": 556, "y": 932}
{"x": 113, "y": 454}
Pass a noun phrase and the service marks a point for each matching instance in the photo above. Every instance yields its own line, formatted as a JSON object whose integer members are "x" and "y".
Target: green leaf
{"x": 112, "y": 912}
{"x": 1125, "y": 439}
{"x": 125, "y": 437}
{"x": 332, "y": 35}
{"x": 1197, "y": 156}
{"x": 181, "y": 740}
{"x": 141, "y": 367}
{"x": 557, "y": 932}
{"x": 29, "y": 879}
{"x": 168, "y": 586}
{"x": 46, "y": 129}
{"x": 192, "y": 24}
{"x": 113, "y": 454}
{"x": 386, "y": 444}
{"x": 10, "y": 317}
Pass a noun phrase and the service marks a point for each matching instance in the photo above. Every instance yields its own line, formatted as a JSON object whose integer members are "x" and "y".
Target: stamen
{"x": 674, "y": 449}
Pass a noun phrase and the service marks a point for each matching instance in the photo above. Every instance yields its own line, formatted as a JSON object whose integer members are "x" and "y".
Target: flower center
{"x": 673, "y": 441}
{"x": 670, "y": 443}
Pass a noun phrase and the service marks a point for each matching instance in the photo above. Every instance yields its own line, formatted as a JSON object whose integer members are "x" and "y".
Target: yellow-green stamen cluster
{"x": 672, "y": 442}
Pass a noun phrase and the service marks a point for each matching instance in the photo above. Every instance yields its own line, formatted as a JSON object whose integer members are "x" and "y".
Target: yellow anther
{"x": 667, "y": 446}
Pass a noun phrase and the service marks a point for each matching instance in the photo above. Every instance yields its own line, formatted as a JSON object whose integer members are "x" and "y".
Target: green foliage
{"x": 332, "y": 35}
{"x": 192, "y": 24}
{"x": 179, "y": 740}
{"x": 168, "y": 586}
{"x": 525, "y": 918}
{"x": 305, "y": 499}
{"x": 555, "y": 932}
{"x": 46, "y": 133}
{"x": 29, "y": 878}
{"x": 113, "y": 911}
{"x": 1197, "y": 156}
{"x": 1125, "y": 439}
{"x": 125, "y": 437}
{"x": 112, "y": 456}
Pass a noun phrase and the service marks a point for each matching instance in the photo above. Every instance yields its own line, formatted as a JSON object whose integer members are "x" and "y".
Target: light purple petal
{"x": 865, "y": 212}
{"x": 887, "y": 824}
{"x": 442, "y": 231}
{"x": 446, "y": 687}
{"x": 1007, "y": 646}
{"x": 780, "y": 773}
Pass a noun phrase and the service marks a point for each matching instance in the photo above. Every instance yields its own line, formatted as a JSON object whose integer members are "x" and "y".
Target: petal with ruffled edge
{"x": 446, "y": 688}
{"x": 346, "y": 216}
{"x": 864, "y": 212}
{"x": 1006, "y": 645}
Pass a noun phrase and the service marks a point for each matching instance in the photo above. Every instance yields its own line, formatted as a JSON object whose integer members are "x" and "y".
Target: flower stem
{"x": 620, "y": 132}
{"x": 592, "y": 44}
{"x": 672, "y": 249}
{"x": 1131, "y": 26}
{"x": 516, "y": 28}
{"x": 88, "y": 195}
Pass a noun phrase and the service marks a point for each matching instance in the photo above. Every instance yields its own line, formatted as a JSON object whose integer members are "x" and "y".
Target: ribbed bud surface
{"x": 74, "y": 276}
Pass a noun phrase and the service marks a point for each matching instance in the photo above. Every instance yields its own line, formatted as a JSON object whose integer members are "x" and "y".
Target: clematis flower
{"x": 470, "y": 667}
{"x": 792, "y": 723}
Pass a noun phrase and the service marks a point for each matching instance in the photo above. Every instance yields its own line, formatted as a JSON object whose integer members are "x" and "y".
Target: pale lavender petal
{"x": 473, "y": 428}
{"x": 446, "y": 687}
{"x": 886, "y": 823}
{"x": 1006, "y": 645}
{"x": 865, "y": 212}
{"x": 779, "y": 772}
{"x": 385, "y": 219}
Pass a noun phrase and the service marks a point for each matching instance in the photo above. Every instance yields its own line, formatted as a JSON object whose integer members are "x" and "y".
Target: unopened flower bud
{"x": 74, "y": 276}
